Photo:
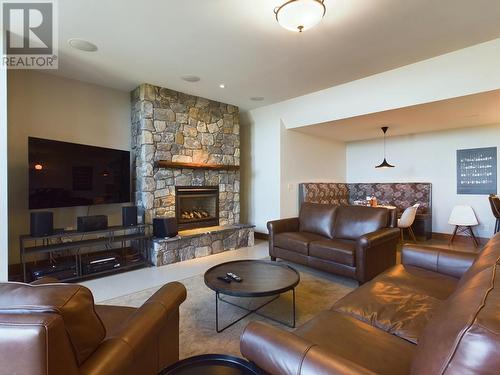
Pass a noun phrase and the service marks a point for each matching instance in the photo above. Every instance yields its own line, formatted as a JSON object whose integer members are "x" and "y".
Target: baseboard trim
{"x": 261, "y": 236}
{"x": 458, "y": 238}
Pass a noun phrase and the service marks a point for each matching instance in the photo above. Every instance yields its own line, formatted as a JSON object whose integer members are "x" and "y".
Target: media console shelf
{"x": 83, "y": 255}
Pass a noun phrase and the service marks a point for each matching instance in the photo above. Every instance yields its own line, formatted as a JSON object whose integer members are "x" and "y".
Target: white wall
{"x": 261, "y": 172}
{"x": 306, "y": 158}
{"x": 427, "y": 157}
{"x": 467, "y": 71}
{"x": 4, "y": 228}
{"x": 46, "y": 106}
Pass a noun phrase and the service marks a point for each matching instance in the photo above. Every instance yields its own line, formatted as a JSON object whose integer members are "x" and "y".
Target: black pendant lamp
{"x": 384, "y": 164}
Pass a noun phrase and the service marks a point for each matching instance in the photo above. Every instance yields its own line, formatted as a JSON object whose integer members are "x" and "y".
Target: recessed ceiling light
{"x": 190, "y": 78}
{"x": 82, "y": 45}
{"x": 222, "y": 85}
{"x": 257, "y": 98}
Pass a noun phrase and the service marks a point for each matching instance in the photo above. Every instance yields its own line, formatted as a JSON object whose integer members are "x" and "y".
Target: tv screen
{"x": 65, "y": 174}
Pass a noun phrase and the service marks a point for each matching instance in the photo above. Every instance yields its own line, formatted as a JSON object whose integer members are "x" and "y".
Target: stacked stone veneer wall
{"x": 172, "y": 126}
{"x": 200, "y": 245}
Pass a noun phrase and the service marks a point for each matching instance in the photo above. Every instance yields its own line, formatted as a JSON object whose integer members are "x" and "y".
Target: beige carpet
{"x": 316, "y": 291}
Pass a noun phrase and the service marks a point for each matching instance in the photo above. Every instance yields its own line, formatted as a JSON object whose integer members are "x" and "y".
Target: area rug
{"x": 316, "y": 292}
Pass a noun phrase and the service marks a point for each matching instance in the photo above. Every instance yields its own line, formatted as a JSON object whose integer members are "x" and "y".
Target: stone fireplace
{"x": 186, "y": 165}
{"x": 196, "y": 207}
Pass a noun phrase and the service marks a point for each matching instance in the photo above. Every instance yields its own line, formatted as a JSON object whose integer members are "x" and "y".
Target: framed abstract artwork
{"x": 477, "y": 171}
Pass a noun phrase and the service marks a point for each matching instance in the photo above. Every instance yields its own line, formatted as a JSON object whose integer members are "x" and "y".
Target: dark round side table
{"x": 260, "y": 279}
{"x": 212, "y": 364}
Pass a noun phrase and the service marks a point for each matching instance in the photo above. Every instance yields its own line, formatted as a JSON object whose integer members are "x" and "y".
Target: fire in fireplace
{"x": 196, "y": 206}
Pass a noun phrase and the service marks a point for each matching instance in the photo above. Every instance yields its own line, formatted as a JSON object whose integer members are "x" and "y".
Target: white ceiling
{"x": 239, "y": 43}
{"x": 466, "y": 111}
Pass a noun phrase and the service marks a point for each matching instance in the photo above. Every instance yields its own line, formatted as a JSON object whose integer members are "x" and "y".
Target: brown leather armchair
{"x": 436, "y": 313}
{"x": 353, "y": 241}
{"x": 55, "y": 329}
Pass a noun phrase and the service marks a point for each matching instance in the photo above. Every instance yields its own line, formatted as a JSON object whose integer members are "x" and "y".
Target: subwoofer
{"x": 41, "y": 224}
{"x": 165, "y": 227}
{"x": 129, "y": 216}
{"x": 91, "y": 223}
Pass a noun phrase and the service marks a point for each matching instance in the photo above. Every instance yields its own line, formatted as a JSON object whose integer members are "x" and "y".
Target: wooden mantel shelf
{"x": 181, "y": 165}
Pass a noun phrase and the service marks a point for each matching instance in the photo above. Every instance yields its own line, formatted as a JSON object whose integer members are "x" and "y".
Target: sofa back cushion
{"x": 74, "y": 303}
{"x": 463, "y": 335}
{"x": 352, "y": 222}
{"x": 485, "y": 259}
{"x": 317, "y": 218}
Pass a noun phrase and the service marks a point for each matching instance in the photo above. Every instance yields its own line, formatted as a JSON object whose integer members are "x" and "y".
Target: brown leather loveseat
{"x": 436, "y": 313}
{"x": 353, "y": 241}
{"x": 55, "y": 329}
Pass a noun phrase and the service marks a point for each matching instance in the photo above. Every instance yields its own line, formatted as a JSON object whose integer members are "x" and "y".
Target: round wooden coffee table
{"x": 260, "y": 279}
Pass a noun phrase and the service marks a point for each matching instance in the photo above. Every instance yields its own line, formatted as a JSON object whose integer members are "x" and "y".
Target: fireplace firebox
{"x": 196, "y": 206}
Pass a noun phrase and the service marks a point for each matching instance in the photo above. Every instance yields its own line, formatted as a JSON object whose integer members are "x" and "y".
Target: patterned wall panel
{"x": 325, "y": 193}
{"x": 401, "y": 195}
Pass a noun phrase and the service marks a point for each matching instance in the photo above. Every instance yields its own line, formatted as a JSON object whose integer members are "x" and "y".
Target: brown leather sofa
{"x": 436, "y": 313}
{"x": 353, "y": 241}
{"x": 55, "y": 329}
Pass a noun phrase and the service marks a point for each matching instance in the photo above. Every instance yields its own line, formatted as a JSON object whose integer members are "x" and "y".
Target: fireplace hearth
{"x": 196, "y": 206}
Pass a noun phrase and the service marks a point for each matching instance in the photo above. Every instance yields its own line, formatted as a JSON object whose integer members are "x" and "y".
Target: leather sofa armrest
{"x": 444, "y": 261}
{"x": 321, "y": 362}
{"x": 45, "y": 280}
{"x": 376, "y": 252}
{"x": 279, "y": 352}
{"x": 170, "y": 296}
{"x": 281, "y": 226}
{"x": 149, "y": 329}
{"x": 273, "y": 350}
{"x": 378, "y": 237}
{"x": 36, "y": 344}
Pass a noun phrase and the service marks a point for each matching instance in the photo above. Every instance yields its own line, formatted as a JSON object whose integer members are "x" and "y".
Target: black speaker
{"x": 129, "y": 216}
{"x": 91, "y": 223}
{"x": 41, "y": 224}
{"x": 165, "y": 227}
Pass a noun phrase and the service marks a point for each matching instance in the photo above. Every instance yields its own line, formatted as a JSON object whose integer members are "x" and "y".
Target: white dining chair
{"x": 406, "y": 221}
{"x": 463, "y": 218}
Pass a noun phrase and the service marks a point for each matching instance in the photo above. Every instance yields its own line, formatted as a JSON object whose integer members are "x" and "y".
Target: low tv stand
{"x": 76, "y": 250}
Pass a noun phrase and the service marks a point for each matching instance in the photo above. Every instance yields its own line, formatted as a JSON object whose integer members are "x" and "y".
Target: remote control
{"x": 226, "y": 279}
{"x": 234, "y": 277}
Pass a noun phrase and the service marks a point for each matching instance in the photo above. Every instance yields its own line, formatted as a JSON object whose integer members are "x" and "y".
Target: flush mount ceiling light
{"x": 257, "y": 98}
{"x": 300, "y": 15}
{"x": 222, "y": 86}
{"x": 190, "y": 78}
{"x": 384, "y": 164}
{"x": 82, "y": 45}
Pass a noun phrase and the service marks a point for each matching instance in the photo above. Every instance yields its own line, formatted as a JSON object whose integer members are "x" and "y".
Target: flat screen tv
{"x": 63, "y": 174}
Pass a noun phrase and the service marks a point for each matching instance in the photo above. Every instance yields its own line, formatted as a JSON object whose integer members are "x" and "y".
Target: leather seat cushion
{"x": 114, "y": 317}
{"x": 339, "y": 251}
{"x": 359, "y": 342}
{"x": 392, "y": 308}
{"x": 296, "y": 241}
